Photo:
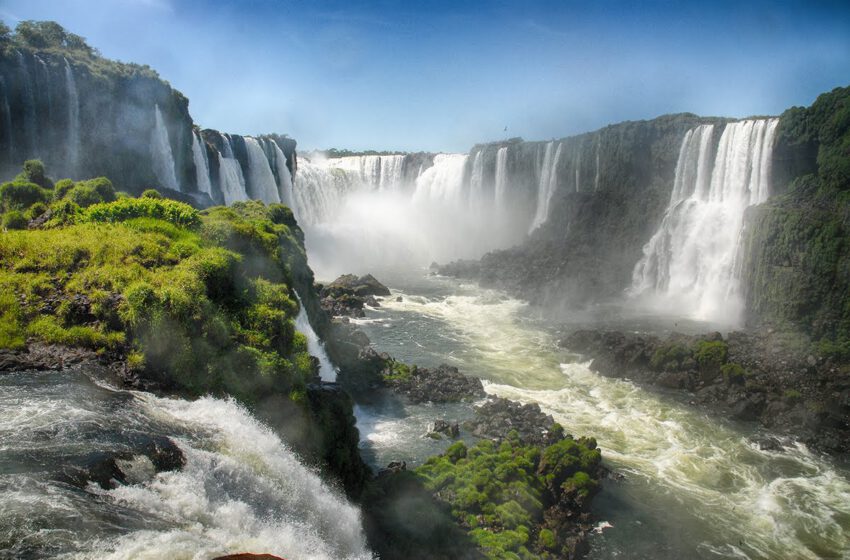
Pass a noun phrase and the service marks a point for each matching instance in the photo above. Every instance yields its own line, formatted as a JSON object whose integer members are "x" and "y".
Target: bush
{"x": 151, "y": 193}
{"x": 33, "y": 172}
{"x": 84, "y": 195}
{"x": 14, "y": 219}
{"x": 36, "y": 210}
{"x": 62, "y": 188}
{"x": 669, "y": 356}
{"x": 20, "y": 195}
{"x": 177, "y": 213}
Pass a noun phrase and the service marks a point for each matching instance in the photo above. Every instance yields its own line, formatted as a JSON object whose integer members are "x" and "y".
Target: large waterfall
{"x": 202, "y": 166}
{"x": 261, "y": 179}
{"x": 230, "y": 175}
{"x": 161, "y": 153}
{"x": 690, "y": 262}
{"x": 546, "y": 185}
{"x": 314, "y": 344}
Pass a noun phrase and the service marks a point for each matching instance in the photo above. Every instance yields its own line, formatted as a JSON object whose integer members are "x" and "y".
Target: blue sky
{"x": 438, "y": 75}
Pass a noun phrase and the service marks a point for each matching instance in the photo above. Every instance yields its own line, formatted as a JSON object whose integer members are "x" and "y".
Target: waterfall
{"x": 241, "y": 488}
{"x": 314, "y": 346}
{"x": 202, "y": 166}
{"x": 596, "y": 177}
{"x": 260, "y": 176}
{"x": 443, "y": 181}
{"x": 7, "y": 120}
{"x": 546, "y": 185}
{"x": 690, "y": 260}
{"x": 230, "y": 175}
{"x": 30, "y": 118}
{"x": 73, "y": 119}
{"x": 284, "y": 176}
{"x": 578, "y": 167}
{"x": 476, "y": 182}
{"x": 163, "y": 160}
{"x": 501, "y": 177}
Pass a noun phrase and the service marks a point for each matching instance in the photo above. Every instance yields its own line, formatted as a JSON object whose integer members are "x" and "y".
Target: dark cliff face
{"x": 613, "y": 186}
{"x": 86, "y": 116}
{"x": 797, "y": 261}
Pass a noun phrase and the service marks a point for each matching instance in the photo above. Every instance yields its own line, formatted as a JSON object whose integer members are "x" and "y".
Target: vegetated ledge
{"x": 773, "y": 378}
{"x": 522, "y": 491}
{"x": 173, "y": 300}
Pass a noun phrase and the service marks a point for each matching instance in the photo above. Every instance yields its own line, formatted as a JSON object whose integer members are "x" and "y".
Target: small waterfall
{"x": 501, "y": 178}
{"x": 230, "y": 175}
{"x": 320, "y": 191}
{"x": 476, "y": 182}
{"x": 44, "y": 86}
{"x": 202, "y": 166}
{"x": 596, "y": 177}
{"x": 284, "y": 176}
{"x": 73, "y": 119}
{"x": 260, "y": 176}
{"x": 546, "y": 185}
{"x": 443, "y": 181}
{"x": 7, "y": 121}
{"x": 314, "y": 346}
{"x": 163, "y": 160}
{"x": 690, "y": 261}
{"x": 30, "y": 115}
{"x": 578, "y": 168}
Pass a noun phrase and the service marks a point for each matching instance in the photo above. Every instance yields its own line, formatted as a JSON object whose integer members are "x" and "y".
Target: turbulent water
{"x": 693, "y": 486}
{"x": 242, "y": 489}
{"x": 690, "y": 262}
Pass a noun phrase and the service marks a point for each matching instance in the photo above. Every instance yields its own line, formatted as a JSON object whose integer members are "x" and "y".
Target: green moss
{"x": 733, "y": 373}
{"x": 711, "y": 355}
{"x": 792, "y": 395}
{"x": 396, "y": 371}
{"x": 669, "y": 356}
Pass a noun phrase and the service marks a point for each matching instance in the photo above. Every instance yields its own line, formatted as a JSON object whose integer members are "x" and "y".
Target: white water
{"x": 476, "y": 183}
{"x": 230, "y": 175}
{"x": 546, "y": 185}
{"x": 285, "y": 177}
{"x": 7, "y": 118}
{"x": 242, "y": 489}
{"x": 73, "y": 119}
{"x": 501, "y": 178}
{"x": 689, "y": 263}
{"x": 442, "y": 182}
{"x": 202, "y": 166}
{"x": 694, "y": 487}
{"x": 261, "y": 179}
{"x": 163, "y": 160}
{"x": 30, "y": 125}
{"x": 314, "y": 346}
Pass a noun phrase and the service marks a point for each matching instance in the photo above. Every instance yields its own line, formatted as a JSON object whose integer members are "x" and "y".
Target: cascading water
{"x": 314, "y": 346}
{"x": 546, "y": 186}
{"x": 163, "y": 160}
{"x": 202, "y": 168}
{"x": 476, "y": 182}
{"x": 443, "y": 181}
{"x": 30, "y": 120}
{"x": 501, "y": 184}
{"x": 73, "y": 142}
{"x": 260, "y": 179}
{"x": 689, "y": 263}
{"x": 284, "y": 177}
{"x": 241, "y": 489}
{"x": 230, "y": 175}
{"x": 7, "y": 120}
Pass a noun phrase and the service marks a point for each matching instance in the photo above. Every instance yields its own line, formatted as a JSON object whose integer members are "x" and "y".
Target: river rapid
{"x": 686, "y": 484}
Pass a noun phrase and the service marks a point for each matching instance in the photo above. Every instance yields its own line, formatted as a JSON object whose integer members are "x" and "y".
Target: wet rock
{"x": 497, "y": 417}
{"x": 392, "y": 468}
{"x": 148, "y": 455}
{"x": 439, "y": 385}
{"x": 248, "y": 556}
{"x": 39, "y": 356}
{"x": 348, "y": 294}
{"x": 448, "y": 428}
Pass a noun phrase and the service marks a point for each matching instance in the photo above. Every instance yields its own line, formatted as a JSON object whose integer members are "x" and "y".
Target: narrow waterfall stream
{"x": 693, "y": 485}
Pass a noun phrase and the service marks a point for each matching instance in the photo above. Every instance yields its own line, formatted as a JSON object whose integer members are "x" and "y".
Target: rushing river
{"x": 241, "y": 490}
{"x": 692, "y": 486}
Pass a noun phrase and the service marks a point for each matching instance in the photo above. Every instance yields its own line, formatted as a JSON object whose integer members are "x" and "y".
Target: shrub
{"x": 64, "y": 212}
{"x": 33, "y": 172}
{"x": 84, "y": 195}
{"x": 151, "y": 193}
{"x": 20, "y": 195}
{"x": 61, "y": 188}
{"x": 36, "y": 210}
{"x": 671, "y": 355}
{"x": 177, "y": 213}
{"x": 14, "y": 219}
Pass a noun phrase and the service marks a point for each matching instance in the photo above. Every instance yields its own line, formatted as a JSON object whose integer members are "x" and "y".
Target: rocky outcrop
{"x": 348, "y": 295}
{"x": 498, "y": 417}
{"x": 438, "y": 385}
{"x": 768, "y": 377}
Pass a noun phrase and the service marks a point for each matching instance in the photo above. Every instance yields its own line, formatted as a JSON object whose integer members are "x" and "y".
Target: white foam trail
{"x": 546, "y": 186}
{"x": 501, "y": 178}
{"x": 230, "y": 176}
{"x": 284, "y": 176}
{"x": 163, "y": 160}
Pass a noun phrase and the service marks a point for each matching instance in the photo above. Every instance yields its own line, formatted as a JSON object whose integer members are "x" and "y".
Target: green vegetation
{"x": 397, "y": 371}
{"x": 733, "y": 373}
{"x": 710, "y": 355}
{"x": 671, "y": 356}
{"x": 500, "y": 493}
{"x": 199, "y": 301}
